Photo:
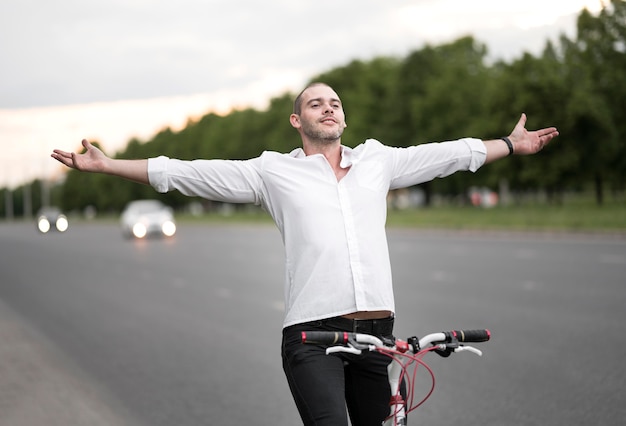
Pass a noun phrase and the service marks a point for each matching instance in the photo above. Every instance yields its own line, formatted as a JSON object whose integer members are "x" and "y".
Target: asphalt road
{"x": 98, "y": 330}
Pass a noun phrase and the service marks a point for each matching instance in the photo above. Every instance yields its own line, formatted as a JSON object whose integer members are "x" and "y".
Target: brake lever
{"x": 347, "y": 349}
{"x": 470, "y": 349}
{"x": 445, "y": 349}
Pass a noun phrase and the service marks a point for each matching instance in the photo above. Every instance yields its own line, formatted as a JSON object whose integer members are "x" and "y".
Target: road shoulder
{"x": 39, "y": 387}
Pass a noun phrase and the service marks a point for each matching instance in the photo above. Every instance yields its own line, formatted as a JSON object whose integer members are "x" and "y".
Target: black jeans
{"x": 324, "y": 386}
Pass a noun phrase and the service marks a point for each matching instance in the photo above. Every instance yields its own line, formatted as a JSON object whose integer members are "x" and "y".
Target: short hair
{"x": 297, "y": 103}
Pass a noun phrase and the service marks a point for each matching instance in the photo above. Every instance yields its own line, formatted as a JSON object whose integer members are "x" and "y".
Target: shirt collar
{"x": 348, "y": 157}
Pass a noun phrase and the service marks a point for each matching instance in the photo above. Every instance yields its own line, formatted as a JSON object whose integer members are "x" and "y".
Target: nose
{"x": 328, "y": 108}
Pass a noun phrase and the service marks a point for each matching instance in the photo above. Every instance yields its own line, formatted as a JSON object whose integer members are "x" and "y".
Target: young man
{"x": 329, "y": 203}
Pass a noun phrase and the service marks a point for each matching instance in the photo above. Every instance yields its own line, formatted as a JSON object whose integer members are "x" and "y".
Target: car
{"x": 50, "y": 218}
{"x": 144, "y": 218}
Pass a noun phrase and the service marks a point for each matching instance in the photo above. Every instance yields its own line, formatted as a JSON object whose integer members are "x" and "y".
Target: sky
{"x": 112, "y": 70}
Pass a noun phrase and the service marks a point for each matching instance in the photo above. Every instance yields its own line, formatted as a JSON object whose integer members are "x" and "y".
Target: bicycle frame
{"x": 397, "y": 405}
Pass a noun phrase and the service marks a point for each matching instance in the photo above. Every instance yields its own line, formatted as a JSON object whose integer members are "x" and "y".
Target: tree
{"x": 597, "y": 64}
{"x": 440, "y": 95}
{"x": 535, "y": 86}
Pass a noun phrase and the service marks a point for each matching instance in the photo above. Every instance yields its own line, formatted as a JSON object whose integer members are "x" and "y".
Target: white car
{"x": 142, "y": 218}
{"x": 51, "y": 219}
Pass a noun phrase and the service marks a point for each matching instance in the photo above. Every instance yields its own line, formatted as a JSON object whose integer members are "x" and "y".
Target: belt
{"x": 376, "y": 327}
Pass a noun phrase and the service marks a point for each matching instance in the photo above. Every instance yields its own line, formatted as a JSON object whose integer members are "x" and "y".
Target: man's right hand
{"x": 93, "y": 160}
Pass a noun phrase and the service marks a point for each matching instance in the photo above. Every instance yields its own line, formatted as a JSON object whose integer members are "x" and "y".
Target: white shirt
{"x": 337, "y": 260}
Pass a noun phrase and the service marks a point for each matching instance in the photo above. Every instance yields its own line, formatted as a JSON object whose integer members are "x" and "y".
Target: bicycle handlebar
{"x": 327, "y": 337}
{"x": 343, "y": 337}
{"x": 406, "y": 355}
{"x": 470, "y": 335}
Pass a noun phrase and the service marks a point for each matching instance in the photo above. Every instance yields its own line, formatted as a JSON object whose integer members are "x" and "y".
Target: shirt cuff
{"x": 157, "y": 173}
{"x": 478, "y": 153}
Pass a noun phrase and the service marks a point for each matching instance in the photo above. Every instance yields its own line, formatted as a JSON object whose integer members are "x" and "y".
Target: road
{"x": 98, "y": 330}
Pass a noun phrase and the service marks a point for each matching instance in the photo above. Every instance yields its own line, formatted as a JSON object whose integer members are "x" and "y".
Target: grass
{"x": 521, "y": 218}
{"x": 577, "y": 215}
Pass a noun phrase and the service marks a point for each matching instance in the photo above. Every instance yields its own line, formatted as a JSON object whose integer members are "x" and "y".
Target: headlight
{"x": 62, "y": 224}
{"x": 139, "y": 230}
{"x": 168, "y": 228}
{"x": 43, "y": 225}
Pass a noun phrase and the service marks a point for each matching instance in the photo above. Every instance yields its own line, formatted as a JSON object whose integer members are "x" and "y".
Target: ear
{"x": 294, "y": 119}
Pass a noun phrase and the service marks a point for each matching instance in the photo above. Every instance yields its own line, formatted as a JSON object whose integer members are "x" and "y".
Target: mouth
{"x": 328, "y": 120}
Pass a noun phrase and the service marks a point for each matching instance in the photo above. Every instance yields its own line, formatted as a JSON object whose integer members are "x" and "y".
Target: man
{"x": 329, "y": 203}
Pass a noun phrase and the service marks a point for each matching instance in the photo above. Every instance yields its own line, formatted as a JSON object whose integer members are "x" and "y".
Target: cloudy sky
{"x": 109, "y": 70}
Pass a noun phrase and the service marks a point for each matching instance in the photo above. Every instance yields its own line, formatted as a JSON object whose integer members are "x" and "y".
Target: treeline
{"x": 436, "y": 93}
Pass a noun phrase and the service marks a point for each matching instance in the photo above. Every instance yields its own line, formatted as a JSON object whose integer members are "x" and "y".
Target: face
{"x": 321, "y": 118}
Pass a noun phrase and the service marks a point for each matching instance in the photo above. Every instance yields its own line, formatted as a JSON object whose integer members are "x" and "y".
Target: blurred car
{"x": 51, "y": 218}
{"x": 143, "y": 218}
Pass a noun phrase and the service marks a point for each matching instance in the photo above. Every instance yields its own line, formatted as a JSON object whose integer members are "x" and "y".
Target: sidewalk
{"x": 39, "y": 388}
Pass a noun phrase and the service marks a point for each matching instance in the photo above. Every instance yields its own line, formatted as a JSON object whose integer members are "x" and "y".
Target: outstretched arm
{"x": 94, "y": 160}
{"x": 524, "y": 142}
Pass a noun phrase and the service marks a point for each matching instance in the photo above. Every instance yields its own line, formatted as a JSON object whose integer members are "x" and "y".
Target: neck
{"x": 326, "y": 148}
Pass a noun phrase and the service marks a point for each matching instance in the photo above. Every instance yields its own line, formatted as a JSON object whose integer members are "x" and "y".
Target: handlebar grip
{"x": 325, "y": 337}
{"x": 470, "y": 335}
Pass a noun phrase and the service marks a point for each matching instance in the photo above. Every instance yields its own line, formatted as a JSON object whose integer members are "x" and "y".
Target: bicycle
{"x": 406, "y": 358}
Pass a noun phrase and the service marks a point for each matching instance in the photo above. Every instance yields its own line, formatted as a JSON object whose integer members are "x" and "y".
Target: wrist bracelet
{"x": 508, "y": 143}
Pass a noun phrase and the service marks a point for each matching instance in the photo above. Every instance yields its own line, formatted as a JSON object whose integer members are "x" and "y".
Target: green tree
{"x": 598, "y": 62}
{"x": 440, "y": 95}
{"x": 279, "y": 136}
{"x": 536, "y": 86}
